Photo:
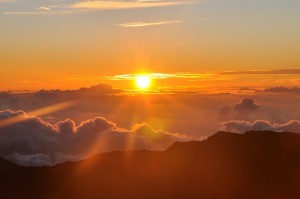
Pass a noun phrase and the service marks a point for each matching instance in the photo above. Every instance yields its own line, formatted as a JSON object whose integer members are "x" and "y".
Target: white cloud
{"x": 145, "y": 24}
{"x": 34, "y": 142}
{"x": 260, "y": 125}
{"x": 45, "y": 8}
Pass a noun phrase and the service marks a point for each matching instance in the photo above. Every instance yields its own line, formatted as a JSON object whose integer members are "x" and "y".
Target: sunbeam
{"x": 39, "y": 112}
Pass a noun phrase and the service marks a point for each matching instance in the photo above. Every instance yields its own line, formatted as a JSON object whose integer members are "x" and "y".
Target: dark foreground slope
{"x": 227, "y": 165}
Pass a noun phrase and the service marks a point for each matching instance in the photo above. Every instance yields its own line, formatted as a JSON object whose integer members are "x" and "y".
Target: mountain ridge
{"x": 256, "y": 164}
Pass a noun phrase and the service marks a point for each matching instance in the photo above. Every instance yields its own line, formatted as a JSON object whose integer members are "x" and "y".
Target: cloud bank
{"x": 34, "y": 142}
{"x": 260, "y": 125}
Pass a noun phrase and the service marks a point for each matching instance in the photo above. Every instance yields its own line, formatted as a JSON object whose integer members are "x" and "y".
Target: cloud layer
{"x": 260, "y": 125}
{"x": 281, "y": 89}
{"x": 34, "y": 142}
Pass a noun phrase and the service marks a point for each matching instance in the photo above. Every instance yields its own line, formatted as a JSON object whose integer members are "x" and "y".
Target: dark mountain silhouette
{"x": 226, "y": 165}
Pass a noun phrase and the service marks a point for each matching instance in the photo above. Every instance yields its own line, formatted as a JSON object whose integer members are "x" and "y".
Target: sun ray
{"x": 38, "y": 112}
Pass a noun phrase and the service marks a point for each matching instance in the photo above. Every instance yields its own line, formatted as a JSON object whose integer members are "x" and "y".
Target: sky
{"x": 49, "y": 127}
{"x": 69, "y": 71}
{"x": 70, "y": 44}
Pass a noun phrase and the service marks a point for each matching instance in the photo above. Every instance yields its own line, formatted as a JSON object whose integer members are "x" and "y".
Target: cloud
{"x": 40, "y": 159}
{"x": 260, "y": 125}
{"x": 294, "y": 90}
{"x": 225, "y": 113}
{"x": 189, "y": 76}
{"x": 70, "y": 7}
{"x": 239, "y": 111}
{"x": 145, "y": 24}
{"x": 117, "y": 4}
{"x": 245, "y": 107}
{"x": 55, "y": 9}
{"x": 43, "y": 12}
{"x": 264, "y": 72}
{"x": 45, "y": 8}
{"x": 34, "y": 142}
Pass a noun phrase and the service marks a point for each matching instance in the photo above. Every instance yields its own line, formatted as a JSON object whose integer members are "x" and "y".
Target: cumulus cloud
{"x": 245, "y": 107}
{"x": 239, "y": 111}
{"x": 260, "y": 125}
{"x": 34, "y": 142}
{"x": 70, "y": 7}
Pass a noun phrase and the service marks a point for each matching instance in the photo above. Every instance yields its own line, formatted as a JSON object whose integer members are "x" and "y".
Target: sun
{"x": 143, "y": 81}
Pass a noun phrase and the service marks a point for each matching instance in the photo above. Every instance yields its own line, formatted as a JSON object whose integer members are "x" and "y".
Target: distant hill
{"x": 226, "y": 166}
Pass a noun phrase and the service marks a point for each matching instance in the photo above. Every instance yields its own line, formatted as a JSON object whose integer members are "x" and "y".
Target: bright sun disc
{"x": 143, "y": 81}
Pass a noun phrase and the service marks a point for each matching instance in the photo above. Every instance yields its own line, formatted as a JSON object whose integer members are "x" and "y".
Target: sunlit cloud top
{"x": 115, "y": 4}
{"x": 162, "y": 76}
{"x": 69, "y": 6}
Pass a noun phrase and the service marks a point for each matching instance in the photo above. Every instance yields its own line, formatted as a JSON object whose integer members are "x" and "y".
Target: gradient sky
{"x": 44, "y": 44}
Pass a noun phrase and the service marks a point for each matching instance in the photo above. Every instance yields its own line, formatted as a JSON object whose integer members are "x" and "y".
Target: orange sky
{"x": 67, "y": 45}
